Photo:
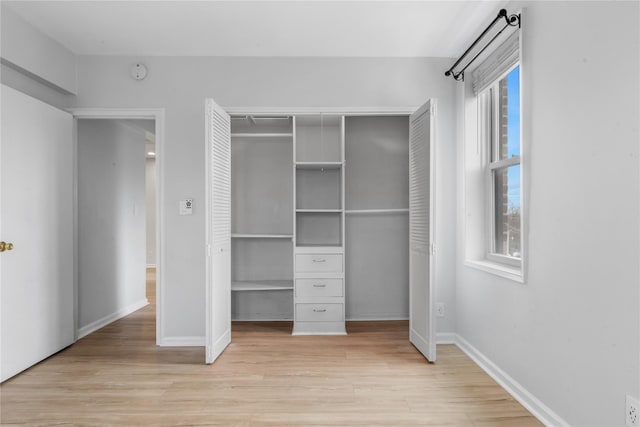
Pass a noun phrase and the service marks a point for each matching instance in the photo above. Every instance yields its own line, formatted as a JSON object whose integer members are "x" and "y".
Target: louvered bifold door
{"x": 422, "y": 248}
{"x": 218, "y": 230}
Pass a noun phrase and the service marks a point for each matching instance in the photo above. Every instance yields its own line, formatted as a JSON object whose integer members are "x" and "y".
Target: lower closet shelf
{"x": 262, "y": 285}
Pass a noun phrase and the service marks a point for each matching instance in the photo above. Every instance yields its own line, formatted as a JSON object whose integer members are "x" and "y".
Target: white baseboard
{"x": 376, "y": 318}
{"x": 539, "y": 410}
{"x": 101, "y": 323}
{"x": 445, "y": 338}
{"x": 151, "y": 266}
{"x": 194, "y": 341}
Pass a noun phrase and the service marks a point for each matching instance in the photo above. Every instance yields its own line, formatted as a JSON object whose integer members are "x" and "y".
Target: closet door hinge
{"x": 208, "y": 250}
{"x": 433, "y": 110}
{"x": 432, "y": 248}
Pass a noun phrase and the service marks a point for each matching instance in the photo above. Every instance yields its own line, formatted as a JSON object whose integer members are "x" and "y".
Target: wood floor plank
{"x": 267, "y": 377}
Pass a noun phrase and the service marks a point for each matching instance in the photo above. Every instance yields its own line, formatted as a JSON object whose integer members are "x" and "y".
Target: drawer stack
{"x": 319, "y": 291}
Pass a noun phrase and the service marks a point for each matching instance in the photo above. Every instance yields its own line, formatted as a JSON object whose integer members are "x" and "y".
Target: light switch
{"x": 186, "y": 207}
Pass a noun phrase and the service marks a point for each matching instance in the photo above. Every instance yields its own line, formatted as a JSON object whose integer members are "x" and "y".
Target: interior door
{"x": 421, "y": 226}
{"x": 218, "y": 230}
{"x": 36, "y": 211}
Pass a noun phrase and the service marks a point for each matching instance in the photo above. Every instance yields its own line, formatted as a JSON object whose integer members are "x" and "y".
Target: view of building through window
{"x": 506, "y": 178}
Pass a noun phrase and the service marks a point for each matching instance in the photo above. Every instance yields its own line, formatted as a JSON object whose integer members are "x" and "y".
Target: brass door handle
{"x": 4, "y": 246}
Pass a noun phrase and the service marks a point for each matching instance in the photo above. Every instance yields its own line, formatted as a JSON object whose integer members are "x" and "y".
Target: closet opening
{"x": 327, "y": 218}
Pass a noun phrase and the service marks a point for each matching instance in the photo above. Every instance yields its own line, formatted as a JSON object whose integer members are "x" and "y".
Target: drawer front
{"x": 319, "y": 312}
{"x": 318, "y": 287}
{"x": 318, "y": 263}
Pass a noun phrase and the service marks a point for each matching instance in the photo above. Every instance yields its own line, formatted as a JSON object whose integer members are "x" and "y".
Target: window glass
{"x": 508, "y": 141}
{"x": 507, "y": 211}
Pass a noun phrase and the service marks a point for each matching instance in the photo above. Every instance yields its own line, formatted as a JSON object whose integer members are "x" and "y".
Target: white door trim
{"x": 158, "y": 114}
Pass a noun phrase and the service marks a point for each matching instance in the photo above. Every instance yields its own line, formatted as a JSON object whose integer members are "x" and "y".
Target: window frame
{"x": 489, "y": 115}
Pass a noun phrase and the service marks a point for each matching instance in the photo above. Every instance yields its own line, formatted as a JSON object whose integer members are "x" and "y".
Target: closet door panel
{"x": 377, "y": 154}
{"x": 218, "y": 231}
{"x": 422, "y": 333}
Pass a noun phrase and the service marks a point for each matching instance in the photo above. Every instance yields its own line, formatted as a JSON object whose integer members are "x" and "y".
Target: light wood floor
{"x": 371, "y": 377}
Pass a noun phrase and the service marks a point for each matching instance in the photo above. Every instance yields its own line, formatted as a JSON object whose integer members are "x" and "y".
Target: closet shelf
{"x": 261, "y": 285}
{"x": 318, "y": 210}
{"x": 375, "y": 211}
{"x": 262, "y": 135}
{"x": 318, "y": 165}
{"x": 261, "y": 236}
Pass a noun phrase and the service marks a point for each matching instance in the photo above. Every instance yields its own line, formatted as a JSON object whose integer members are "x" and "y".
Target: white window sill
{"x": 498, "y": 269}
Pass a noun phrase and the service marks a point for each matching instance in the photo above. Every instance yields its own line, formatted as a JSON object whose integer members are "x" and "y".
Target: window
{"x": 503, "y": 168}
{"x": 494, "y": 239}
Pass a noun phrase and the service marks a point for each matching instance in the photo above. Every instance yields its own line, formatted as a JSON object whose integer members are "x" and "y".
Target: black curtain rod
{"x": 510, "y": 21}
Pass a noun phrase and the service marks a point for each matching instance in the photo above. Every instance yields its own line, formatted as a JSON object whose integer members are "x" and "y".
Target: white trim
{"x": 377, "y": 318}
{"x": 194, "y": 341}
{"x": 502, "y": 270}
{"x": 151, "y": 266}
{"x": 300, "y": 334}
{"x": 157, "y": 114}
{"x": 110, "y": 318}
{"x": 504, "y": 163}
{"x": 76, "y": 234}
{"x": 345, "y": 111}
{"x": 446, "y": 338}
{"x": 534, "y": 405}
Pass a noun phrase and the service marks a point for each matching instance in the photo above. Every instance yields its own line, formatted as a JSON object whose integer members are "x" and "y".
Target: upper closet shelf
{"x": 318, "y": 165}
{"x": 261, "y": 236}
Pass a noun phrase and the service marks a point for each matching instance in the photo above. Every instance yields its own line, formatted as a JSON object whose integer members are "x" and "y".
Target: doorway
{"x": 118, "y": 223}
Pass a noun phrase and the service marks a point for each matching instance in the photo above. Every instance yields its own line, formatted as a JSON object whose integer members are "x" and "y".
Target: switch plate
{"x": 439, "y": 309}
{"x": 186, "y": 207}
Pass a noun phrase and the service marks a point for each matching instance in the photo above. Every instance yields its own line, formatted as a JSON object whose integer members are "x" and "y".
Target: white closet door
{"x": 36, "y": 209}
{"x": 421, "y": 220}
{"x": 218, "y": 230}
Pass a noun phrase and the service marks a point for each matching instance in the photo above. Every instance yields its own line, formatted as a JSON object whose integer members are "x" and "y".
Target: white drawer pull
{"x": 319, "y": 286}
{"x": 319, "y": 260}
{"x": 319, "y": 310}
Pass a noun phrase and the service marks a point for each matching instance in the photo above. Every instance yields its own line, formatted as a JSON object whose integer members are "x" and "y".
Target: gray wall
{"x": 111, "y": 220}
{"x": 180, "y": 85}
{"x": 570, "y": 334}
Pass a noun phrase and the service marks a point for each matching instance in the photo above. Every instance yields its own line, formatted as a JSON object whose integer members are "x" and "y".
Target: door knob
{"x": 4, "y": 246}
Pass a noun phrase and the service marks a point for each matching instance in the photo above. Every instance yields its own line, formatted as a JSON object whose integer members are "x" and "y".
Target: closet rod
{"x": 510, "y": 21}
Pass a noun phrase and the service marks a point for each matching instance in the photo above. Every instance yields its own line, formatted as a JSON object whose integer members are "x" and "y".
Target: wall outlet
{"x": 439, "y": 309}
{"x": 632, "y": 412}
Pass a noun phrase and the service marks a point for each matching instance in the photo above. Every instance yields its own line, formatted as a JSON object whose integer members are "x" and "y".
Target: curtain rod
{"x": 510, "y": 21}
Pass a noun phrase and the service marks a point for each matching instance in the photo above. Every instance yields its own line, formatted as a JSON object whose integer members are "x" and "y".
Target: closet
{"x": 327, "y": 219}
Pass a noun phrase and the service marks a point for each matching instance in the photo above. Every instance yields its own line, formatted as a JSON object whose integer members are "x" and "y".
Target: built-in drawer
{"x": 318, "y": 287}
{"x": 319, "y": 312}
{"x": 318, "y": 263}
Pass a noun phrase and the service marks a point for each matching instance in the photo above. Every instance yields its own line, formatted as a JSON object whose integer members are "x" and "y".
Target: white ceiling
{"x": 261, "y": 28}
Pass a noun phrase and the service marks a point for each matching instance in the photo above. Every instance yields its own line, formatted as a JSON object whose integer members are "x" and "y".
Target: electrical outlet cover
{"x": 632, "y": 412}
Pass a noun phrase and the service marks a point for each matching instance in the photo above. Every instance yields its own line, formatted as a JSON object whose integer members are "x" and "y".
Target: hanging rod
{"x": 509, "y": 21}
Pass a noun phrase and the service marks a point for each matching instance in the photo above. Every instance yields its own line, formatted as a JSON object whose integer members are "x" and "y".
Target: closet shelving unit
{"x": 262, "y": 236}
{"x": 319, "y": 290}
